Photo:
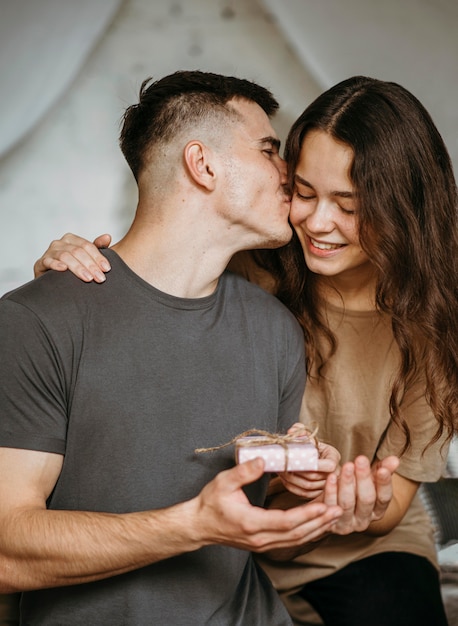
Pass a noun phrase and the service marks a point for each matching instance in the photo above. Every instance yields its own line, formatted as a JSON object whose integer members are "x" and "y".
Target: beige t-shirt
{"x": 351, "y": 407}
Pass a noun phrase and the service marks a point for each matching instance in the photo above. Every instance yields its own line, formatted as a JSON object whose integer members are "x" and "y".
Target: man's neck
{"x": 182, "y": 266}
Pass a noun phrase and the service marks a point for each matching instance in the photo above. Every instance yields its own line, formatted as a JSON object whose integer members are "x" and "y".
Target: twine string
{"x": 299, "y": 435}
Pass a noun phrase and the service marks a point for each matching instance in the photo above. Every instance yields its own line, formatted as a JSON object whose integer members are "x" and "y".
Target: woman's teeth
{"x": 325, "y": 246}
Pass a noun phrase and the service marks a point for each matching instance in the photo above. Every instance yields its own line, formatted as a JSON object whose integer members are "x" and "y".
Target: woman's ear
{"x": 199, "y": 161}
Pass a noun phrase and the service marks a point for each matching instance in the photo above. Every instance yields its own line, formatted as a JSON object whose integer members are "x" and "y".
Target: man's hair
{"x": 177, "y": 101}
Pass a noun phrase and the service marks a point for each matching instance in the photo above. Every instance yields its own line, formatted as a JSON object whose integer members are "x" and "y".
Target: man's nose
{"x": 283, "y": 170}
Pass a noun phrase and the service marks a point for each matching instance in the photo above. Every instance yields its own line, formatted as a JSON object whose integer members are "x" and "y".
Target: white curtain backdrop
{"x": 412, "y": 42}
{"x": 43, "y": 44}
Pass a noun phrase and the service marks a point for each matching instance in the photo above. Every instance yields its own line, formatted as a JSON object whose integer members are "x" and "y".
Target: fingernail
{"x": 105, "y": 266}
{"x": 100, "y": 276}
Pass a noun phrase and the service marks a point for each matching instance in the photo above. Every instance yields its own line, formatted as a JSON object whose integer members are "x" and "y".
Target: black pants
{"x": 388, "y": 589}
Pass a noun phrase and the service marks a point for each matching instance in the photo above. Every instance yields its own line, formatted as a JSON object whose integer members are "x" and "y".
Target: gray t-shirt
{"x": 126, "y": 382}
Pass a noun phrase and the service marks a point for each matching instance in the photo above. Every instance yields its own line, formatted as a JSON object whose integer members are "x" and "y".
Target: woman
{"x": 375, "y": 218}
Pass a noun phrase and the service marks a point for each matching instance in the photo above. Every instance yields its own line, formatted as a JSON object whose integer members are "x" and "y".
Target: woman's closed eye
{"x": 304, "y": 195}
{"x": 347, "y": 211}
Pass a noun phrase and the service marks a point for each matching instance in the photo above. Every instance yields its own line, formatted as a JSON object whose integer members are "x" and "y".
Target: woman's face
{"x": 324, "y": 210}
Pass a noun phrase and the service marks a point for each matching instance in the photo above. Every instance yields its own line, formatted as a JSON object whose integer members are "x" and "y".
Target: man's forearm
{"x": 42, "y": 548}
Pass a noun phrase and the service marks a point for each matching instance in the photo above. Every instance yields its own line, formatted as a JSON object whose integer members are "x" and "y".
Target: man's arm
{"x": 48, "y": 548}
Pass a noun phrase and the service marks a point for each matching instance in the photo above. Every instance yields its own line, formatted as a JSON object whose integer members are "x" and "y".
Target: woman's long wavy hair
{"x": 404, "y": 181}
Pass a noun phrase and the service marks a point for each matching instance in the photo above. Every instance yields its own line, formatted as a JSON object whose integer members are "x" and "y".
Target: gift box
{"x": 292, "y": 455}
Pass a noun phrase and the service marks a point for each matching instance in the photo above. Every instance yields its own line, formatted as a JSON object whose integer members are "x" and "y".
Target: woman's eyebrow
{"x": 344, "y": 194}
{"x": 339, "y": 194}
{"x": 302, "y": 181}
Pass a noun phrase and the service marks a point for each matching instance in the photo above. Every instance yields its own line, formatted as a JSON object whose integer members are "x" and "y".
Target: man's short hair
{"x": 183, "y": 98}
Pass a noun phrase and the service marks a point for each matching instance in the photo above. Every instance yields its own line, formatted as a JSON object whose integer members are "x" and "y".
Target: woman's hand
{"x": 363, "y": 492}
{"x": 78, "y": 255}
{"x": 309, "y": 485}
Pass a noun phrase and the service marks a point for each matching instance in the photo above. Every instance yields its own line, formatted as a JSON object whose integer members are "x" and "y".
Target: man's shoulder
{"x": 260, "y": 303}
{"x": 51, "y": 285}
{"x": 254, "y": 292}
{"x": 53, "y": 295}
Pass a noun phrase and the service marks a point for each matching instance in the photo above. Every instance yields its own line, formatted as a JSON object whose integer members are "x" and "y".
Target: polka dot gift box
{"x": 295, "y": 455}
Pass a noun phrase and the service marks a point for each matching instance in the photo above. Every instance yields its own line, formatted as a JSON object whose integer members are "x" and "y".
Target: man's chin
{"x": 272, "y": 240}
{"x": 280, "y": 241}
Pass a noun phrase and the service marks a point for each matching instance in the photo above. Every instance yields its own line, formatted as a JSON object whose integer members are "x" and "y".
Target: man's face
{"x": 254, "y": 199}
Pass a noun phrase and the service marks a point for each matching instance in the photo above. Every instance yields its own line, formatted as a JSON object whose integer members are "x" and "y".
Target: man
{"x": 107, "y": 515}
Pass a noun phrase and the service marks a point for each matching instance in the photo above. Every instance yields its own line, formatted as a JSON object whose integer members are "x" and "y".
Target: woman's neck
{"x": 346, "y": 292}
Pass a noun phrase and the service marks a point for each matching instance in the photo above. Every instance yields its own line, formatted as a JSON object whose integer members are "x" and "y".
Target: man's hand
{"x": 78, "y": 255}
{"x": 225, "y": 516}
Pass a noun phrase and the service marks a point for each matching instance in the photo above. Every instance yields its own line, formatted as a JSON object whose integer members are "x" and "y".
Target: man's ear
{"x": 199, "y": 160}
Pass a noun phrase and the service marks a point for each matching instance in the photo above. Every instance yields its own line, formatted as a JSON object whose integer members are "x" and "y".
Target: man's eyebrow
{"x": 273, "y": 141}
{"x": 339, "y": 194}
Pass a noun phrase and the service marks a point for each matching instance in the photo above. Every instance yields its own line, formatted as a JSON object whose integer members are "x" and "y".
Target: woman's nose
{"x": 315, "y": 215}
{"x": 320, "y": 218}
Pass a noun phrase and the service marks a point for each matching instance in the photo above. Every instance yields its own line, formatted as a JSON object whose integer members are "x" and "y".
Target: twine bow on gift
{"x": 263, "y": 438}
